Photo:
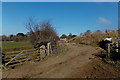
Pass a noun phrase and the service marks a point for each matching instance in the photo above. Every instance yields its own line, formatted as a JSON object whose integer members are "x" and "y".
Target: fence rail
{"x": 20, "y": 57}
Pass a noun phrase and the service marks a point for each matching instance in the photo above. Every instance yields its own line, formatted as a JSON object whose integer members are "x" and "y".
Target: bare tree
{"x": 43, "y": 31}
{"x": 47, "y": 31}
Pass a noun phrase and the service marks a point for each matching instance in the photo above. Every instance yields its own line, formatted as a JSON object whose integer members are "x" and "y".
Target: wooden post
{"x": 108, "y": 50}
{"x": 48, "y": 48}
{"x": 117, "y": 50}
{"x": 118, "y": 46}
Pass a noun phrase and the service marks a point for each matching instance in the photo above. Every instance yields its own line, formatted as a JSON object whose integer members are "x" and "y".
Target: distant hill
{"x": 95, "y": 37}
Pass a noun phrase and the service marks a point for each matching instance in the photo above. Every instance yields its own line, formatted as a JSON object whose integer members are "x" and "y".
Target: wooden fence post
{"x": 117, "y": 49}
{"x": 108, "y": 50}
{"x": 48, "y": 48}
{"x": 118, "y": 46}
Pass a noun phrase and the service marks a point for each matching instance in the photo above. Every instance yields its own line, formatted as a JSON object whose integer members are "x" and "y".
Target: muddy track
{"x": 60, "y": 66}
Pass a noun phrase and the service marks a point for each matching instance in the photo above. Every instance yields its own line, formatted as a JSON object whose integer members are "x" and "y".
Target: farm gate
{"x": 15, "y": 58}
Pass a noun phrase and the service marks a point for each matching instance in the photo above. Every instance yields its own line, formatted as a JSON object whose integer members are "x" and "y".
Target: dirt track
{"x": 60, "y": 66}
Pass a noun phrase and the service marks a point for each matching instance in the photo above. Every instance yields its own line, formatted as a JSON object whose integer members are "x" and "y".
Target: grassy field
{"x": 6, "y": 46}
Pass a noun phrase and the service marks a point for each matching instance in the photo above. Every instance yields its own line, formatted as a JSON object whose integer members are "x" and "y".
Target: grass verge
{"x": 8, "y": 46}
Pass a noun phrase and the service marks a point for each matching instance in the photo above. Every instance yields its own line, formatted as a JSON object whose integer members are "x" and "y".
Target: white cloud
{"x": 105, "y": 21}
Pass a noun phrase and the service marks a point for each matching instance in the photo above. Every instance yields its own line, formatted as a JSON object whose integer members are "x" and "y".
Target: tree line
{"x": 18, "y": 37}
{"x": 42, "y": 31}
{"x": 37, "y": 32}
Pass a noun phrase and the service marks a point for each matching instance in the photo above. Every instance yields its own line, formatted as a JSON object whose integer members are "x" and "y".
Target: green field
{"x": 6, "y": 45}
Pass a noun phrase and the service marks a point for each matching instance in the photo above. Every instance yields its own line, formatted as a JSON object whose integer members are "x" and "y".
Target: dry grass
{"x": 94, "y": 38}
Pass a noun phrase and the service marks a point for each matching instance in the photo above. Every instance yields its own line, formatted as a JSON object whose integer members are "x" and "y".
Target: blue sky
{"x": 60, "y": 0}
{"x": 66, "y": 17}
{"x": 0, "y": 18}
